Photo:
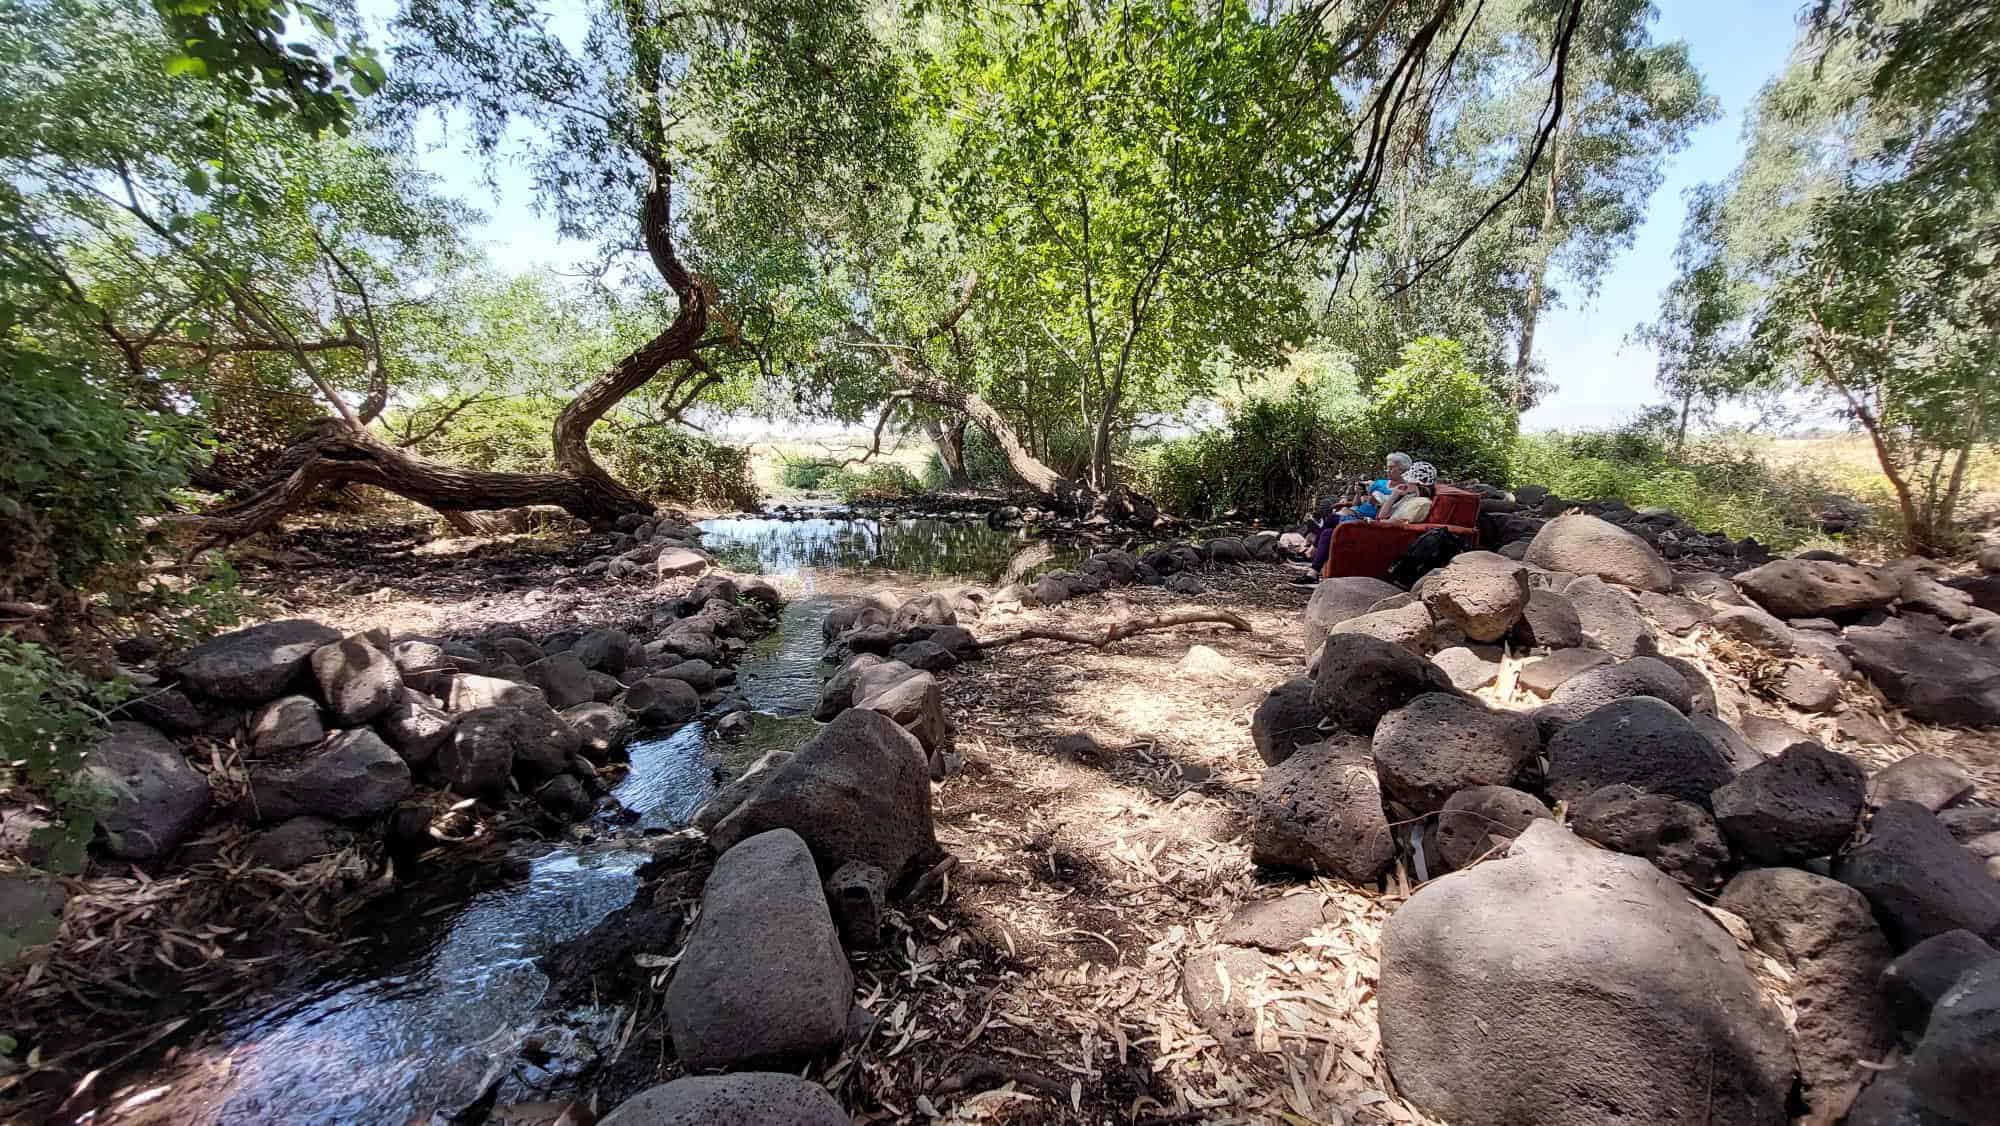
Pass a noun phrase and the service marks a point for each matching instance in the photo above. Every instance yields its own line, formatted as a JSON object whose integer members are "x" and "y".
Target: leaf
{"x": 197, "y": 181}
{"x": 186, "y": 65}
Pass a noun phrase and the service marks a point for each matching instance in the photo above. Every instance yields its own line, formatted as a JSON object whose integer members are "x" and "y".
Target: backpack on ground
{"x": 1426, "y": 553}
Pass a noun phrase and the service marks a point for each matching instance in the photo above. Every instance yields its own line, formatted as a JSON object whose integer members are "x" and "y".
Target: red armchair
{"x": 1369, "y": 547}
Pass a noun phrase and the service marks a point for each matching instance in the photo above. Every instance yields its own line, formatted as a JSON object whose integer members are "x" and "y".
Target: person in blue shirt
{"x": 1365, "y": 503}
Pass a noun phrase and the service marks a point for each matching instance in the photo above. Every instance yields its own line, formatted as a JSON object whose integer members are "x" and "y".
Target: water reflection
{"x": 922, "y": 549}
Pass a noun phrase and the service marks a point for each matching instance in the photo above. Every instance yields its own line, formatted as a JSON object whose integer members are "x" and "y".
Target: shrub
{"x": 1272, "y": 460}
{"x": 668, "y": 463}
{"x": 1435, "y": 408}
{"x": 875, "y": 482}
{"x": 985, "y": 464}
{"x": 804, "y": 473}
{"x": 78, "y": 472}
{"x": 1716, "y": 484}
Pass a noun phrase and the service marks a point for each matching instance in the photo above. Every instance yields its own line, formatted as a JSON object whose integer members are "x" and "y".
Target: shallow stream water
{"x": 452, "y": 987}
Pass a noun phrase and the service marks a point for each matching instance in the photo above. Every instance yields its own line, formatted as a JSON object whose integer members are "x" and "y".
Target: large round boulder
{"x": 1787, "y": 810}
{"x": 1586, "y": 545}
{"x": 762, "y": 981}
{"x": 859, "y": 789}
{"x": 1439, "y": 744}
{"x": 1818, "y": 588}
{"x": 1321, "y": 811}
{"x": 1590, "y": 993}
{"x": 1285, "y": 721}
{"x": 253, "y": 665}
{"x": 357, "y": 680}
{"x": 1409, "y": 625}
{"x": 1596, "y": 686}
{"x": 1642, "y": 742}
{"x": 151, "y": 797}
{"x": 1482, "y": 593}
{"x": 356, "y": 775}
{"x": 1336, "y": 600}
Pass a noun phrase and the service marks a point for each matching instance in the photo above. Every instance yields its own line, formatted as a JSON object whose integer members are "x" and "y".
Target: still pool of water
{"x": 389, "y": 1040}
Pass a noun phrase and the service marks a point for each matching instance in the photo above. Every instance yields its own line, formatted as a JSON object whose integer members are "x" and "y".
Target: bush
{"x": 875, "y": 482}
{"x": 78, "y": 472}
{"x": 985, "y": 464}
{"x": 668, "y": 463}
{"x": 1272, "y": 460}
{"x": 1716, "y": 484}
{"x": 1435, "y": 408}
{"x": 804, "y": 473}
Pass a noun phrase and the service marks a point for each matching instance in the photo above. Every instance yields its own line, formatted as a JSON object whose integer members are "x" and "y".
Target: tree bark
{"x": 950, "y": 440}
{"x": 339, "y": 451}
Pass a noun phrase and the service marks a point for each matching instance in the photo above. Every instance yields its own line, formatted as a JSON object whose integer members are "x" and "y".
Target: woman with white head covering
{"x": 1411, "y": 501}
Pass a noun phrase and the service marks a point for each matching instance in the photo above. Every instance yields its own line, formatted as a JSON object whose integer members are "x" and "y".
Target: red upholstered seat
{"x": 1369, "y": 547}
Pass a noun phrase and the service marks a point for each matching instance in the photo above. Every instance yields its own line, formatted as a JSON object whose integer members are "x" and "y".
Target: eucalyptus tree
{"x": 1628, "y": 104}
{"x": 1851, "y": 257}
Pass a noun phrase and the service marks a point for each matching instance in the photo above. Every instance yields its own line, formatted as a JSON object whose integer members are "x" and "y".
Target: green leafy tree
{"x": 1850, "y": 257}
{"x": 1436, "y": 408}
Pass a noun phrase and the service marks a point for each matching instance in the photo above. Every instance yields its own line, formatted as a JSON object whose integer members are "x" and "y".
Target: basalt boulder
{"x": 1592, "y": 993}
{"x": 1363, "y": 678}
{"x": 1336, "y": 600}
{"x": 1320, "y": 810}
{"x": 1585, "y": 545}
{"x": 859, "y": 789}
{"x": 355, "y": 776}
{"x": 1439, "y": 744}
{"x": 255, "y": 664}
{"x": 1815, "y": 588}
{"x": 1786, "y": 810}
{"x": 1642, "y": 742}
{"x": 1285, "y": 721}
{"x": 1480, "y": 592}
{"x": 154, "y": 798}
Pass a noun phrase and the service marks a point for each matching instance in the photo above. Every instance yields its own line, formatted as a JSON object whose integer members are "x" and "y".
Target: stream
{"x": 451, "y": 987}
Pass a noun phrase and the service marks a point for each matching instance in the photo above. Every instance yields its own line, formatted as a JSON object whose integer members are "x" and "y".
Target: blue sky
{"x": 1601, "y": 379}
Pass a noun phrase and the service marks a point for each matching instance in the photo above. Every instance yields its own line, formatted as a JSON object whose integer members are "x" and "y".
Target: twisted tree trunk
{"x": 340, "y": 451}
{"x": 949, "y": 438}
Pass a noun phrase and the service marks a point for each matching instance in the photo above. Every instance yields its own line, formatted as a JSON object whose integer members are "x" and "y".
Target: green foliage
{"x": 985, "y": 464}
{"x": 263, "y": 53}
{"x": 880, "y": 481}
{"x": 49, "y": 718}
{"x": 1293, "y": 434}
{"x": 1716, "y": 484}
{"x": 1435, "y": 408}
{"x": 670, "y": 463}
{"x": 805, "y": 473}
{"x": 78, "y": 471}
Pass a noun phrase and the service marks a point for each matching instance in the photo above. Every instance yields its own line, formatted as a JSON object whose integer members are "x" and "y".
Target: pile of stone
{"x": 1592, "y": 989}
{"x": 1512, "y": 520}
{"x": 337, "y": 732}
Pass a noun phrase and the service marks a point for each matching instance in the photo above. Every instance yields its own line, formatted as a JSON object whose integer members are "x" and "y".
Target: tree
{"x": 1850, "y": 257}
{"x": 1628, "y": 104}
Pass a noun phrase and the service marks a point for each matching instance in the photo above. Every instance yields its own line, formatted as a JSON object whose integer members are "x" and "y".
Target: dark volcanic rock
{"x": 1544, "y": 676}
{"x": 1610, "y": 619}
{"x": 1921, "y": 882}
{"x": 1586, "y": 545}
{"x": 1321, "y": 811}
{"x": 1956, "y": 1068}
{"x": 357, "y": 680}
{"x": 1912, "y": 984}
{"x": 1285, "y": 721}
{"x": 356, "y": 775}
{"x": 1593, "y": 688}
{"x": 1336, "y": 600}
{"x": 153, "y": 798}
{"x": 1548, "y": 621}
{"x": 1361, "y": 679}
{"x": 762, "y": 980}
{"x": 1642, "y": 742}
{"x": 1802, "y": 804}
{"x": 1483, "y": 819}
{"x": 763, "y": 1097}
{"x": 1939, "y": 679}
{"x": 1678, "y": 837}
{"x": 255, "y": 664}
{"x": 1439, "y": 744}
{"x": 1813, "y": 588}
{"x": 858, "y": 790}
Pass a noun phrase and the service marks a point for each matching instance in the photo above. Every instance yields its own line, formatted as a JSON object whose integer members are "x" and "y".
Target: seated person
{"x": 1410, "y": 502}
{"x": 1370, "y": 496}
